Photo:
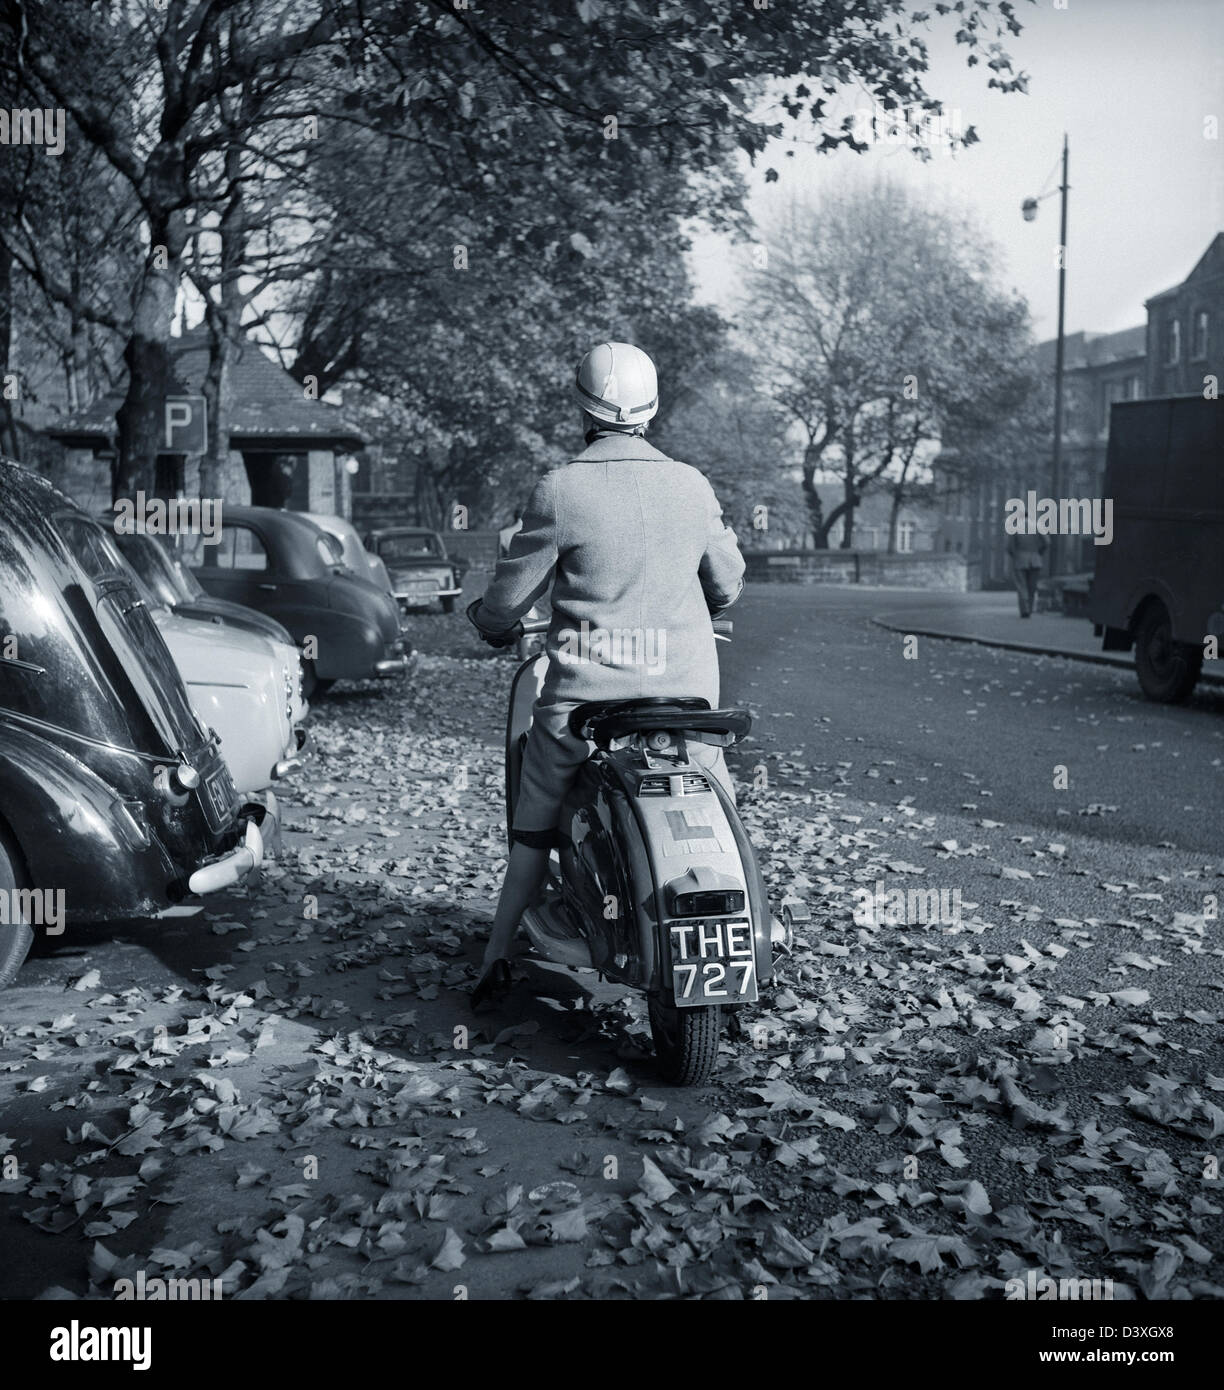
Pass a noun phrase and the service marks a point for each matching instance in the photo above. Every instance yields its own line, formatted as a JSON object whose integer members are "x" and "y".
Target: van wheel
{"x": 16, "y": 938}
{"x": 1167, "y": 670}
{"x": 686, "y": 1040}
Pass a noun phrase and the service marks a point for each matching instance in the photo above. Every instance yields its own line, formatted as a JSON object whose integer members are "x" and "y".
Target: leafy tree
{"x": 528, "y": 127}
{"x": 877, "y": 329}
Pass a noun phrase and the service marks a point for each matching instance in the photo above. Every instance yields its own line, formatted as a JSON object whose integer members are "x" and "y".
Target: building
{"x": 286, "y": 450}
{"x": 1185, "y": 329}
{"x": 1178, "y": 351}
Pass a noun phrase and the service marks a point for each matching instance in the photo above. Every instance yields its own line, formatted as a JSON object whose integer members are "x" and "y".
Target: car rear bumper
{"x": 295, "y": 755}
{"x": 424, "y": 595}
{"x": 393, "y": 667}
{"x": 231, "y": 867}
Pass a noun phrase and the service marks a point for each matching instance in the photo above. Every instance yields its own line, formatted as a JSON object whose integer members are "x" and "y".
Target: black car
{"x": 173, "y": 584}
{"x": 420, "y": 569}
{"x": 114, "y": 797}
{"x": 283, "y": 565}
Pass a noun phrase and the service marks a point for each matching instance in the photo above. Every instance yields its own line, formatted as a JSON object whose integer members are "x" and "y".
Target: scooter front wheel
{"x": 686, "y": 1040}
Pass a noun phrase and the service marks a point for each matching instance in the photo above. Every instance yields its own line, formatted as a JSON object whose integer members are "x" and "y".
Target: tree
{"x": 529, "y": 124}
{"x": 877, "y": 328}
{"x": 728, "y": 427}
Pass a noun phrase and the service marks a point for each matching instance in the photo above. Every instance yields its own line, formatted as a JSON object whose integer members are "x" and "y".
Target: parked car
{"x": 286, "y": 567}
{"x": 170, "y": 585}
{"x": 421, "y": 570}
{"x": 240, "y": 684}
{"x": 353, "y": 555}
{"x": 112, "y": 789}
{"x": 1159, "y": 585}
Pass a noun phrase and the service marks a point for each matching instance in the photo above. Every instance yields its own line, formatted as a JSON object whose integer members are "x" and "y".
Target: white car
{"x": 242, "y": 686}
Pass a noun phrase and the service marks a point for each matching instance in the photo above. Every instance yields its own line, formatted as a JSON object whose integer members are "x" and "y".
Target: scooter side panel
{"x": 608, "y": 873}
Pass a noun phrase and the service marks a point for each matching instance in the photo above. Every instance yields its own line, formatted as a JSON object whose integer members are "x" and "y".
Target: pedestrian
{"x": 628, "y": 538}
{"x": 1026, "y": 551}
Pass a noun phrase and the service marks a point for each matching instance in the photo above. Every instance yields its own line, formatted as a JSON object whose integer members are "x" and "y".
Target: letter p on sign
{"x": 186, "y": 425}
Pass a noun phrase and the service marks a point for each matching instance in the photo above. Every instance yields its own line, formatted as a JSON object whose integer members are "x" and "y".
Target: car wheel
{"x": 15, "y": 937}
{"x": 448, "y": 605}
{"x": 1167, "y": 669}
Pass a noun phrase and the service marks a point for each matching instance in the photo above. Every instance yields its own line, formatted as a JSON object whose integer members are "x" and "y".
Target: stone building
{"x": 286, "y": 450}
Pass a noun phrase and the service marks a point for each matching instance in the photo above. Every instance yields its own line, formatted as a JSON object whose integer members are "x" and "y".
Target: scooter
{"x": 655, "y": 884}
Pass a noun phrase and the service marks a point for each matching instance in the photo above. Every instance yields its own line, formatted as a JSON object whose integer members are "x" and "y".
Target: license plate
{"x": 218, "y": 795}
{"x": 713, "y": 963}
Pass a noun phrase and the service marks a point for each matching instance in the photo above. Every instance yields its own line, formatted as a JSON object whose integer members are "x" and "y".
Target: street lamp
{"x": 1028, "y": 210}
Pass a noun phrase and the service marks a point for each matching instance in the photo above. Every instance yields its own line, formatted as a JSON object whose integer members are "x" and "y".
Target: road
{"x": 290, "y": 1093}
{"x": 964, "y": 726}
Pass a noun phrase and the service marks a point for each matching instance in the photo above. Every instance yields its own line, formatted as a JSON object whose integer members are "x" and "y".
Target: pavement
{"x": 992, "y": 619}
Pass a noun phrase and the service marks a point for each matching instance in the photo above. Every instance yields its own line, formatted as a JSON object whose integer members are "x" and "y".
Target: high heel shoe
{"x": 493, "y": 985}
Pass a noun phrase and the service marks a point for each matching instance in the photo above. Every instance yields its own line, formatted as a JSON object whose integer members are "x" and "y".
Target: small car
{"x": 282, "y": 564}
{"x": 421, "y": 570}
{"x": 240, "y": 685}
{"x": 114, "y": 797}
{"x": 170, "y": 585}
{"x": 353, "y": 555}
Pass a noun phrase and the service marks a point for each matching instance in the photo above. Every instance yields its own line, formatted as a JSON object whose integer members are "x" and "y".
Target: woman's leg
{"x": 525, "y": 872}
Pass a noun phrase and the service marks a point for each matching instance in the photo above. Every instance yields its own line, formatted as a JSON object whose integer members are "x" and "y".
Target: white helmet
{"x": 617, "y": 383}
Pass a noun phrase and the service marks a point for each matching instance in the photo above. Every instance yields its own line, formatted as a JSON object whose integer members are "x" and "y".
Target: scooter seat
{"x": 603, "y": 720}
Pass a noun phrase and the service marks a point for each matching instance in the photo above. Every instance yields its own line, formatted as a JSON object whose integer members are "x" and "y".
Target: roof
{"x": 1096, "y": 349}
{"x": 269, "y": 408}
{"x": 1215, "y": 249}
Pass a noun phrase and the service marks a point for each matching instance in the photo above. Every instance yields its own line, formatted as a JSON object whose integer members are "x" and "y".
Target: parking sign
{"x": 186, "y": 425}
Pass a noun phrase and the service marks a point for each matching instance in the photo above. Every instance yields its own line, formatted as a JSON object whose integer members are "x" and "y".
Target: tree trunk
{"x": 894, "y": 512}
{"x": 149, "y": 364}
{"x": 218, "y": 397}
{"x": 8, "y": 423}
{"x": 225, "y": 328}
{"x": 811, "y": 496}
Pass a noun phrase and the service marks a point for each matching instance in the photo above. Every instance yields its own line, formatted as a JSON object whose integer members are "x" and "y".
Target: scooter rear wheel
{"x": 686, "y": 1040}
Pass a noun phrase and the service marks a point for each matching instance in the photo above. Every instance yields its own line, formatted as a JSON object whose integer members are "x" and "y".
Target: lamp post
{"x": 1029, "y": 210}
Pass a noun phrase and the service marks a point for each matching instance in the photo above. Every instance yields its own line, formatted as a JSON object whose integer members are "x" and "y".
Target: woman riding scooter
{"x": 629, "y": 541}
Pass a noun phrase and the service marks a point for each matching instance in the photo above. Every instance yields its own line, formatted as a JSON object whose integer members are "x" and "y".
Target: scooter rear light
{"x": 716, "y": 903}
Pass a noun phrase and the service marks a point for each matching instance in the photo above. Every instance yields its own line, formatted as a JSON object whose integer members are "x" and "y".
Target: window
{"x": 1132, "y": 388}
{"x": 905, "y": 537}
{"x": 238, "y": 549}
{"x": 1173, "y": 343}
{"x": 1198, "y": 349}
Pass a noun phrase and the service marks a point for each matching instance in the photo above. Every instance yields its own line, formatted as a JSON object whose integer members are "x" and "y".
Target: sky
{"x": 1131, "y": 83}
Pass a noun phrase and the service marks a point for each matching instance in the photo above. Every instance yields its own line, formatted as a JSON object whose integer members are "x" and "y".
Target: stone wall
{"x": 923, "y": 570}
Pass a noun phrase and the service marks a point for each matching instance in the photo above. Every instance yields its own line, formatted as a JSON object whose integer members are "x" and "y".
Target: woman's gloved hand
{"x": 494, "y": 639}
